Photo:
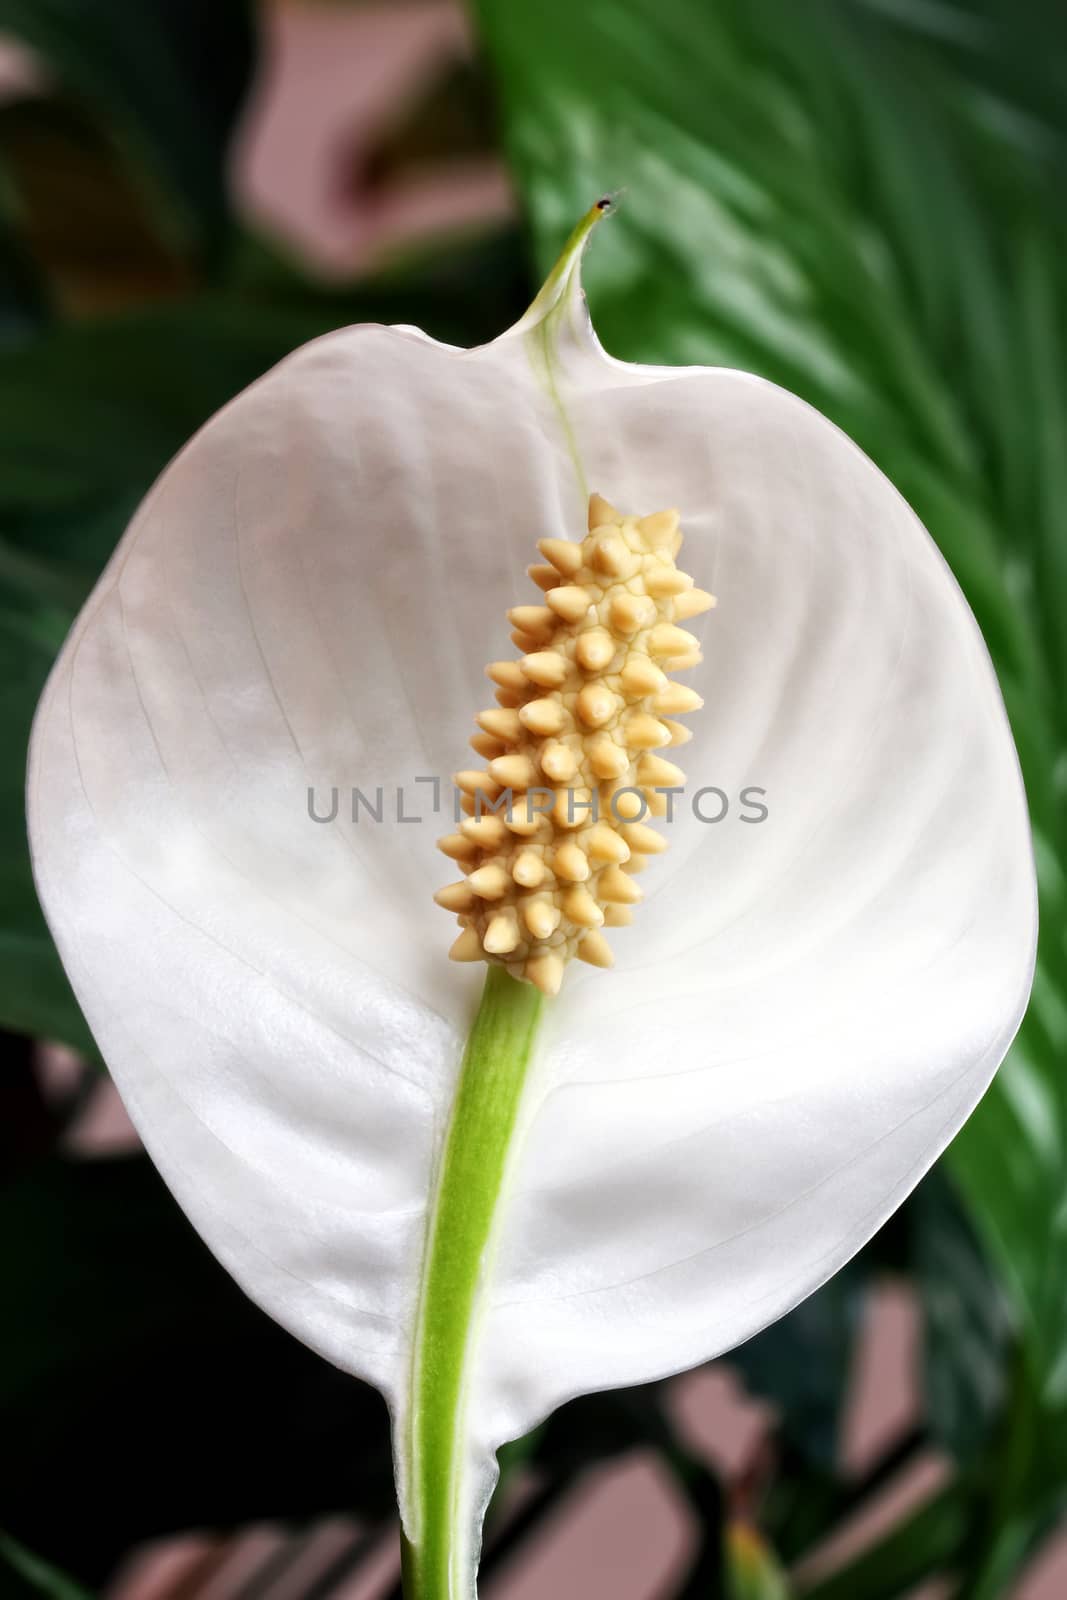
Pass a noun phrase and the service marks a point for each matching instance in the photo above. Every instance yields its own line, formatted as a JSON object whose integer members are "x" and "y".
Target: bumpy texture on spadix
{"x": 809, "y": 1005}
{"x": 555, "y": 827}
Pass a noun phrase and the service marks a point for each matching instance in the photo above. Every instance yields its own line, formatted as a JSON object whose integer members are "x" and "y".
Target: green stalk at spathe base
{"x": 459, "y": 1243}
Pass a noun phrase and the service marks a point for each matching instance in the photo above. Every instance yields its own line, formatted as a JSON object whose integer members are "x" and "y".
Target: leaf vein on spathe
{"x": 972, "y": 1069}
{"x": 367, "y": 860}
{"x": 319, "y": 1290}
{"x": 347, "y": 841}
{"x": 115, "y": 589}
{"x": 199, "y": 930}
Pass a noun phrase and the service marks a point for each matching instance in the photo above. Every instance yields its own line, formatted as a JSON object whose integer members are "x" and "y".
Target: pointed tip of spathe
{"x": 610, "y": 201}
{"x": 565, "y": 275}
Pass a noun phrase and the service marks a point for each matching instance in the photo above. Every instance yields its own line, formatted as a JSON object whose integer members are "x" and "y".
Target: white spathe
{"x": 806, "y": 1008}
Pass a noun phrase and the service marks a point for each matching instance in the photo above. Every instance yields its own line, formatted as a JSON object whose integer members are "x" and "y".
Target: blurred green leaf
{"x": 35, "y": 997}
{"x": 23, "y": 299}
{"x": 924, "y": 1542}
{"x": 993, "y": 43}
{"x": 863, "y": 202}
{"x": 754, "y": 1572}
{"x": 167, "y": 77}
{"x": 968, "y": 1323}
{"x": 28, "y": 1576}
{"x": 803, "y": 1364}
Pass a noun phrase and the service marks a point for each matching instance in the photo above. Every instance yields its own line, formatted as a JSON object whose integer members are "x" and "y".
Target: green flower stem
{"x": 460, "y": 1238}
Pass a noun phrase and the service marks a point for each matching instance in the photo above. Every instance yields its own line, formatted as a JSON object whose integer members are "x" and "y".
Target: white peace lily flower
{"x": 806, "y": 1008}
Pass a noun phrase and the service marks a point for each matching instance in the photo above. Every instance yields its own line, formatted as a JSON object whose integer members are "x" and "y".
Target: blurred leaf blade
{"x": 754, "y": 1573}
{"x": 29, "y": 1575}
{"x": 802, "y": 1365}
{"x": 24, "y": 304}
{"x": 968, "y": 1324}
